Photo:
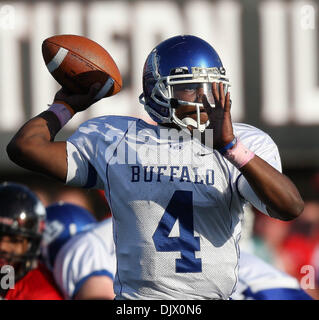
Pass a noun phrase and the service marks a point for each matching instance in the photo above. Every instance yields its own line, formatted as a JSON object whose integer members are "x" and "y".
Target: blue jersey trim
{"x": 277, "y": 294}
{"x": 93, "y": 274}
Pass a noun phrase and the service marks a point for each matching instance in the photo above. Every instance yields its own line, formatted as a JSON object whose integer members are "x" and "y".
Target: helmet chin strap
{"x": 190, "y": 121}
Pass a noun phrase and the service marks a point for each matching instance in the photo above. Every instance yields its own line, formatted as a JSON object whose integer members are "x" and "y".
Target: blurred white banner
{"x": 130, "y": 29}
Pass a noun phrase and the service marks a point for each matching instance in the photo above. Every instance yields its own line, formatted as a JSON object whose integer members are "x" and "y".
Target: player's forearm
{"x": 33, "y": 148}
{"x": 280, "y": 195}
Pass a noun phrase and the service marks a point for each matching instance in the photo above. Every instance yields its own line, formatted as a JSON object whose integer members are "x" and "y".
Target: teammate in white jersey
{"x": 259, "y": 280}
{"x": 79, "y": 251}
{"x": 85, "y": 266}
{"x": 176, "y": 190}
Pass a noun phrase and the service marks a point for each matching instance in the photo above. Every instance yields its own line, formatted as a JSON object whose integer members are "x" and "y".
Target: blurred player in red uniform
{"x": 22, "y": 218}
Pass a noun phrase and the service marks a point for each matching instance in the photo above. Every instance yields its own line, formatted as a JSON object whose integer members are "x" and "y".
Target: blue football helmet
{"x": 63, "y": 221}
{"x": 181, "y": 61}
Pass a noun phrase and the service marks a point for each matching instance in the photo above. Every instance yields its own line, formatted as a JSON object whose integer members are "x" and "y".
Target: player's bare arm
{"x": 96, "y": 288}
{"x": 280, "y": 195}
{"x": 33, "y": 147}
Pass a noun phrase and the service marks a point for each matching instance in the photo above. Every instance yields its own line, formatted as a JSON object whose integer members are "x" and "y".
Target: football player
{"x": 22, "y": 218}
{"x": 80, "y": 252}
{"x": 176, "y": 189}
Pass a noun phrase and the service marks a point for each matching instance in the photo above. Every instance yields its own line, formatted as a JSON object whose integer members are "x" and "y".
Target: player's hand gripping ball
{"x": 77, "y": 63}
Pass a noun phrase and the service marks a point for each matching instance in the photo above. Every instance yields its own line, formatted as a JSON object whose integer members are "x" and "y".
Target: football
{"x": 77, "y": 62}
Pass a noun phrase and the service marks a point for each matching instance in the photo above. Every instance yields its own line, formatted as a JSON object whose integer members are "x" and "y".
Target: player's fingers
{"x": 66, "y": 91}
{"x": 60, "y": 95}
{"x": 207, "y": 106}
{"x": 215, "y": 92}
{"x": 94, "y": 90}
{"x": 227, "y": 103}
{"x": 221, "y": 94}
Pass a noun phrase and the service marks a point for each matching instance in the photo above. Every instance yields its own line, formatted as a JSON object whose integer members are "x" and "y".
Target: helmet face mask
{"x": 182, "y": 61}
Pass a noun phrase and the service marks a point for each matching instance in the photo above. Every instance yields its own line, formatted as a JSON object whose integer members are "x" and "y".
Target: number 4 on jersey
{"x": 180, "y": 207}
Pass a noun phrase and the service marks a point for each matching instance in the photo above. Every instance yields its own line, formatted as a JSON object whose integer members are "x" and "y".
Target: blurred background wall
{"x": 269, "y": 49}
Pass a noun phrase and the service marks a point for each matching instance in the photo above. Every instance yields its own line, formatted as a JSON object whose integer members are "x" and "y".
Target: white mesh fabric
{"x": 140, "y": 195}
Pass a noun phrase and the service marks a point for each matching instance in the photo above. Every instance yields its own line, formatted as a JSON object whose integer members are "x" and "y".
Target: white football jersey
{"x": 259, "y": 280}
{"x": 177, "y": 207}
{"x": 89, "y": 253}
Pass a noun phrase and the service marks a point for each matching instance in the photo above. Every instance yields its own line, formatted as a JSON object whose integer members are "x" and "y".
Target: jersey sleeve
{"x": 81, "y": 172}
{"x": 265, "y": 148}
{"x": 92, "y": 147}
{"x": 82, "y": 257}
